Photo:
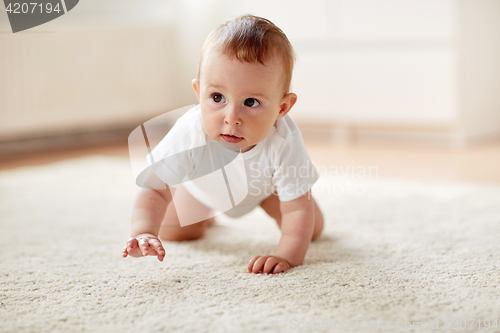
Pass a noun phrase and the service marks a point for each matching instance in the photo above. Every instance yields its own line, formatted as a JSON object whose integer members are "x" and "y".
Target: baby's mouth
{"x": 231, "y": 138}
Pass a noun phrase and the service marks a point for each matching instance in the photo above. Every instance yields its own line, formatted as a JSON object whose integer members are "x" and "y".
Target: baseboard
{"x": 65, "y": 140}
{"x": 426, "y": 137}
{"x": 339, "y": 135}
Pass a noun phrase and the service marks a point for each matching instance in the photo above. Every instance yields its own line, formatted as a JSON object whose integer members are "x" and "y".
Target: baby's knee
{"x": 316, "y": 234}
{"x": 318, "y": 228}
{"x": 179, "y": 234}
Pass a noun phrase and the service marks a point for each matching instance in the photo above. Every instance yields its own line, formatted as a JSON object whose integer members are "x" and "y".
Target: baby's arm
{"x": 297, "y": 227}
{"x": 147, "y": 215}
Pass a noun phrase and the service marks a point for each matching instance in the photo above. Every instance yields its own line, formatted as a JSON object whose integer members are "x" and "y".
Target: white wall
{"x": 103, "y": 64}
{"x": 413, "y": 63}
{"x": 480, "y": 67}
{"x": 371, "y": 62}
{"x": 417, "y": 63}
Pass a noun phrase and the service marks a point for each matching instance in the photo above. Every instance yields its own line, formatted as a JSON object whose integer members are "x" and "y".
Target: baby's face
{"x": 240, "y": 101}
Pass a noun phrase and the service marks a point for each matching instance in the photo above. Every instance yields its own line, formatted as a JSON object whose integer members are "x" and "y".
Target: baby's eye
{"x": 252, "y": 102}
{"x": 218, "y": 98}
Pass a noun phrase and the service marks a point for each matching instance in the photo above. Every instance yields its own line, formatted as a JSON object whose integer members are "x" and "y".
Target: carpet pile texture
{"x": 398, "y": 251}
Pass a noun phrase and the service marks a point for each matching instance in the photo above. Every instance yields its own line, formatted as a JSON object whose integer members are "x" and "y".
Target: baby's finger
{"x": 131, "y": 244}
{"x": 252, "y": 261}
{"x": 259, "y": 263}
{"x": 156, "y": 245}
{"x": 144, "y": 246}
{"x": 125, "y": 252}
{"x": 271, "y": 262}
{"x": 280, "y": 267}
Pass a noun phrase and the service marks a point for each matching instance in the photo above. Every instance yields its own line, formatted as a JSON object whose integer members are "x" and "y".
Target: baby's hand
{"x": 144, "y": 245}
{"x": 268, "y": 264}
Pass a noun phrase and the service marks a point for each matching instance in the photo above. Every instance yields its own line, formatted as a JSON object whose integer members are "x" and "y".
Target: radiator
{"x": 62, "y": 81}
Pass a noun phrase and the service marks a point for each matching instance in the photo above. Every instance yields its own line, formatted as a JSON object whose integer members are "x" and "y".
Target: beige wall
{"x": 86, "y": 71}
{"x": 480, "y": 67}
{"x": 416, "y": 63}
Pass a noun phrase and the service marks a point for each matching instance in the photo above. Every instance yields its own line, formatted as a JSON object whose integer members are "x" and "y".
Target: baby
{"x": 242, "y": 85}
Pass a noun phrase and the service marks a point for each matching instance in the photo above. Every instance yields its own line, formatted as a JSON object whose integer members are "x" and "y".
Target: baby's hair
{"x": 252, "y": 39}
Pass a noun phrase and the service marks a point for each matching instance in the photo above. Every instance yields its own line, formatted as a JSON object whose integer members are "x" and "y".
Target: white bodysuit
{"x": 280, "y": 163}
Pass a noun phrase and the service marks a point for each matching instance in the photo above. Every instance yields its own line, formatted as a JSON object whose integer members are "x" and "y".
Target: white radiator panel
{"x": 64, "y": 80}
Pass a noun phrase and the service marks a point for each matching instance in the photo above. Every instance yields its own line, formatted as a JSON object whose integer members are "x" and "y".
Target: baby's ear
{"x": 287, "y": 102}
{"x": 196, "y": 87}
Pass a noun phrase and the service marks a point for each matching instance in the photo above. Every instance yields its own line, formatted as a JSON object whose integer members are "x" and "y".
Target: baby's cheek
{"x": 211, "y": 126}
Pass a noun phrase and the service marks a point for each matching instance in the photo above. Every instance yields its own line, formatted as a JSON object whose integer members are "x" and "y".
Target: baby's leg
{"x": 272, "y": 206}
{"x": 171, "y": 229}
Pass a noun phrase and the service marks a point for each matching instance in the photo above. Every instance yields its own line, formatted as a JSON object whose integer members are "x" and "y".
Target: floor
{"x": 402, "y": 252}
{"x": 480, "y": 163}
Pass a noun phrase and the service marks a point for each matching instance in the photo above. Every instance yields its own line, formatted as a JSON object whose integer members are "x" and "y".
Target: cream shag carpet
{"x": 399, "y": 251}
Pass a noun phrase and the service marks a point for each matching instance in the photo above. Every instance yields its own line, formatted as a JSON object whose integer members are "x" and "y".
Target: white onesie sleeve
{"x": 294, "y": 173}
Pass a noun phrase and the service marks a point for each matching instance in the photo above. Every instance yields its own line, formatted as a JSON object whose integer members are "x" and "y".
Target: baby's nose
{"x": 232, "y": 117}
